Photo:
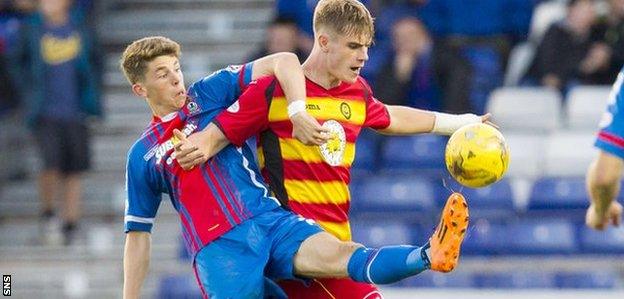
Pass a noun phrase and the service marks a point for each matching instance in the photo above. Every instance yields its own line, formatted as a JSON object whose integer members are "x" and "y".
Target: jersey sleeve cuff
{"x": 137, "y": 226}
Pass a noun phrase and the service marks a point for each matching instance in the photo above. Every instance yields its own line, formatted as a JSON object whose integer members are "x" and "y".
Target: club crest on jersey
{"x": 346, "y": 110}
{"x": 165, "y": 147}
{"x": 192, "y": 107}
{"x": 334, "y": 149}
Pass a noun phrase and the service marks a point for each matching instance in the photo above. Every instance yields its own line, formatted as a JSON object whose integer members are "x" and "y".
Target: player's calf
{"x": 392, "y": 263}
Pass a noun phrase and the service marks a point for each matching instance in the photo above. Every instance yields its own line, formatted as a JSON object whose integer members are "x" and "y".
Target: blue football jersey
{"x": 611, "y": 135}
{"x": 211, "y": 198}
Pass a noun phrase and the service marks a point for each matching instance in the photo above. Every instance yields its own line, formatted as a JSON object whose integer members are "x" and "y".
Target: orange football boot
{"x": 447, "y": 239}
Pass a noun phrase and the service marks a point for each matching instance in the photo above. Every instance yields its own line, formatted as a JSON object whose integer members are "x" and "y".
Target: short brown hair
{"x": 139, "y": 53}
{"x": 345, "y": 17}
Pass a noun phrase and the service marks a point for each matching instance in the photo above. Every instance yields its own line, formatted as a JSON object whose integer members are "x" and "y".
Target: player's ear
{"x": 323, "y": 41}
{"x": 139, "y": 90}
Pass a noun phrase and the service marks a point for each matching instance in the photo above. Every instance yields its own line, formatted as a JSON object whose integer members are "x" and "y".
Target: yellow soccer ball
{"x": 477, "y": 155}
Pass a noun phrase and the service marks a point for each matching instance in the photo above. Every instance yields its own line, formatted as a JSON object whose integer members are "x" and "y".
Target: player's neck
{"x": 316, "y": 70}
{"x": 160, "y": 111}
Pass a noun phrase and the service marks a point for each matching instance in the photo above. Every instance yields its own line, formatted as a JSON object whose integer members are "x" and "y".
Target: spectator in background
{"x": 9, "y": 26}
{"x": 566, "y": 55}
{"x": 12, "y": 134}
{"x": 281, "y": 36}
{"x": 59, "y": 91}
{"x": 472, "y": 41}
{"x": 301, "y": 11}
{"x": 406, "y": 76}
{"x": 384, "y": 23}
{"x": 609, "y": 30}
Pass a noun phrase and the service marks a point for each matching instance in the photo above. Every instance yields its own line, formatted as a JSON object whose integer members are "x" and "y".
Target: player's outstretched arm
{"x": 289, "y": 73}
{"x": 407, "y": 121}
{"x": 603, "y": 185}
{"x": 136, "y": 262}
{"x": 198, "y": 147}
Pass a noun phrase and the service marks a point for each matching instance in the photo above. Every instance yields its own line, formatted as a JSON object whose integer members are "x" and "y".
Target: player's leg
{"x": 232, "y": 266}
{"x": 323, "y": 255}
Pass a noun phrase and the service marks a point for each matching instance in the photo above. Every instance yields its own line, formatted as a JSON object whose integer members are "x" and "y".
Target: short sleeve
{"x": 221, "y": 88}
{"x": 143, "y": 195}
{"x": 611, "y": 135}
{"x": 377, "y": 116}
{"x": 249, "y": 115}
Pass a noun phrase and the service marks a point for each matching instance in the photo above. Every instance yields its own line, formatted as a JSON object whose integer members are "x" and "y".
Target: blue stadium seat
{"x": 421, "y": 153}
{"x": 542, "y": 237}
{"x": 375, "y": 234}
{"x": 178, "y": 286}
{"x": 551, "y": 193}
{"x": 608, "y": 241}
{"x": 366, "y": 151}
{"x": 486, "y": 238}
{"x": 495, "y": 200}
{"x": 591, "y": 279}
{"x": 393, "y": 194}
{"x": 516, "y": 280}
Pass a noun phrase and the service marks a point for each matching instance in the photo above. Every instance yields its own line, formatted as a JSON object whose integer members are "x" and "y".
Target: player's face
{"x": 347, "y": 55}
{"x": 164, "y": 84}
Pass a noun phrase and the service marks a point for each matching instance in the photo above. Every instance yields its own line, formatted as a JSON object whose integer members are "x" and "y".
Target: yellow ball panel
{"x": 477, "y": 155}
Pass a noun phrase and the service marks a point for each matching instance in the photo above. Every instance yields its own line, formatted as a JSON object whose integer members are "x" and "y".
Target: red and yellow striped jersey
{"x": 313, "y": 181}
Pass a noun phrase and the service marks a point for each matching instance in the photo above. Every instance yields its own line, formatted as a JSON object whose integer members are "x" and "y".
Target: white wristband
{"x": 447, "y": 124}
{"x": 296, "y": 107}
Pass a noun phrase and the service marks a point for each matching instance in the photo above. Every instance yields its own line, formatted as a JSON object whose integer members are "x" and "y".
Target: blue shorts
{"x": 235, "y": 265}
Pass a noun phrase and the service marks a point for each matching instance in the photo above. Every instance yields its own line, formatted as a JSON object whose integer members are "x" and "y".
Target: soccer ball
{"x": 477, "y": 155}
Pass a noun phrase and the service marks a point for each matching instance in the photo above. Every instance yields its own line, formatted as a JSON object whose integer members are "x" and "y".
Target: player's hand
{"x": 187, "y": 152}
{"x": 485, "y": 118}
{"x": 307, "y": 130}
{"x": 600, "y": 220}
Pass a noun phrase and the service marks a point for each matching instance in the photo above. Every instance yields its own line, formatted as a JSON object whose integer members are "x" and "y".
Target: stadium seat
{"x": 375, "y": 234}
{"x": 394, "y": 194}
{"x": 519, "y": 61}
{"x": 486, "y": 73}
{"x": 585, "y": 105}
{"x": 366, "y": 151}
{"x": 423, "y": 154}
{"x": 491, "y": 200}
{"x": 542, "y": 236}
{"x": 486, "y": 237}
{"x": 529, "y": 109}
{"x": 516, "y": 280}
{"x": 589, "y": 279}
{"x": 550, "y": 193}
{"x": 608, "y": 241}
{"x": 544, "y": 15}
{"x": 527, "y": 155}
{"x": 178, "y": 286}
{"x": 569, "y": 153}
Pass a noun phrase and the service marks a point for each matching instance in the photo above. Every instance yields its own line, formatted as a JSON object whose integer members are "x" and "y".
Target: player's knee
{"x": 324, "y": 256}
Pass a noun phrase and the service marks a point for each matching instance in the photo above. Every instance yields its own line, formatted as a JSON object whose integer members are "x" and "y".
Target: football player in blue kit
{"x": 605, "y": 172}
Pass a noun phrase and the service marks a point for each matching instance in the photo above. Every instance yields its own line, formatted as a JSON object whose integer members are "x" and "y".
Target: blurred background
{"x": 543, "y": 68}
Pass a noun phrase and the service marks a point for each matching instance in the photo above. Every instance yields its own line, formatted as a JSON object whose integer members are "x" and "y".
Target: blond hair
{"x": 344, "y": 17}
{"x": 139, "y": 53}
